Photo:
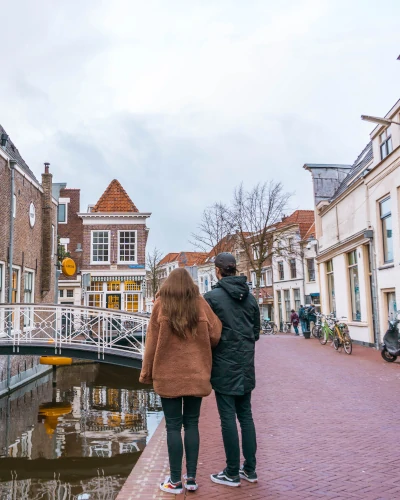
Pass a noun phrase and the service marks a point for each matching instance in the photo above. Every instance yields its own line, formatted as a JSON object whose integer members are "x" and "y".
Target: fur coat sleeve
{"x": 146, "y": 375}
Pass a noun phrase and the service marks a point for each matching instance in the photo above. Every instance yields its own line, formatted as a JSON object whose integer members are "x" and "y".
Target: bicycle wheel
{"x": 316, "y": 331}
{"x": 347, "y": 343}
{"x": 323, "y": 338}
{"x": 274, "y": 329}
{"x": 268, "y": 330}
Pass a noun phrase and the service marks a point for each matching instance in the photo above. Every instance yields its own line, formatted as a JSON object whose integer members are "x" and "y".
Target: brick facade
{"x": 73, "y": 229}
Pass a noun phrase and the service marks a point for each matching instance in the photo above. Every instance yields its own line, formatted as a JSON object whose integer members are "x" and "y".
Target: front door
{"x": 113, "y": 301}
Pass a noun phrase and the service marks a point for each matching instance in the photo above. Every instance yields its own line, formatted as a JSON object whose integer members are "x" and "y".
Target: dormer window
{"x": 386, "y": 146}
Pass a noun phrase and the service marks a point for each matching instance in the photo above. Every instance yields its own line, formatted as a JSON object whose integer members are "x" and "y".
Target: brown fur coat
{"x": 176, "y": 366}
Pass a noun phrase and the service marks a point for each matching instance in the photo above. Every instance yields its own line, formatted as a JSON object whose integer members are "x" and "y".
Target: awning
{"x": 316, "y": 294}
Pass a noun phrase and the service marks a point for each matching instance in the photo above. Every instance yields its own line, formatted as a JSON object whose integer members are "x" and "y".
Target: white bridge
{"x": 104, "y": 335}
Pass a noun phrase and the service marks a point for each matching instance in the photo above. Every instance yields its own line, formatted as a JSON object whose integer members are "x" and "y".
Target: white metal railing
{"x": 60, "y": 326}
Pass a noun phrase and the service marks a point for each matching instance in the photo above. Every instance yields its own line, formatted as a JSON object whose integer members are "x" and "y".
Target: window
{"x": 96, "y": 286}
{"x": 391, "y": 305}
{"x": 385, "y": 143}
{"x": 113, "y": 286}
{"x": 269, "y": 277}
{"x": 296, "y": 295}
{"x": 280, "y": 308}
{"x": 132, "y": 286}
{"x": 290, "y": 244}
{"x": 387, "y": 236}
{"x": 132, "y": 302}
{"x": 354, "y": 285}
{"x": 293, "y": 273}
{"x": 311, "y": 269}
{"x": 28, "y": 287}
{"x": 101, "y": 246}
{"x": 127, "y": 246}
{"x": 94, "y": 300}
{"x": 331, "y": 287}
{"x": 281, "y": 271}
{"x": 61, "y": 293}
{"x": 286, "y": 295}
{"x": 256, "y": 251}
{"x": 62, "y": 213}
{"x": 70, "y": 293}
{"x": 15, "y": 286}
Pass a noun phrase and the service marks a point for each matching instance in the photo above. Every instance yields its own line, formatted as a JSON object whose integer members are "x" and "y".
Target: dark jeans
{"x": 296, "y": 329}
{"x": 229, "y": 407}
{"x": 304, "y": 325}
{"x": 174, "y": 418}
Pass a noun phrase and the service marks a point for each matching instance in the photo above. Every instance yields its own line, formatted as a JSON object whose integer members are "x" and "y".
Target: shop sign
{"x": 117, "y": 278}
{"x": 68, "y": 267}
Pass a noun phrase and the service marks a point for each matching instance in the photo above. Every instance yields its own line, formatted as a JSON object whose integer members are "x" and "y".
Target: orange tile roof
{"x": 115, "y": 199}
{"x": 310, "y": 232}
{"x": 185, "y": 259}
{"x": 303, "y": 218}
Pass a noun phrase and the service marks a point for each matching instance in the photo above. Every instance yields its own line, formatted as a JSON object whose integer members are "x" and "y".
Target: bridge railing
{"x": 62, "y": 326}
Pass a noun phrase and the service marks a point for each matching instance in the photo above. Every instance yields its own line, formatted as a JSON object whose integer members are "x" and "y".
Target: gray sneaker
{"x": 226, "y": 479}
{"x": 251, "y": 477}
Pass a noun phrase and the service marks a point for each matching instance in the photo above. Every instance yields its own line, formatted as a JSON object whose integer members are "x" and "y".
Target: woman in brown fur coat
{"x": 177, "y": 361}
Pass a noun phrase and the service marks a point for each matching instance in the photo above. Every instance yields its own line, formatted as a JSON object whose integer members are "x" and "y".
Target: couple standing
{"x": 194, "y": 344}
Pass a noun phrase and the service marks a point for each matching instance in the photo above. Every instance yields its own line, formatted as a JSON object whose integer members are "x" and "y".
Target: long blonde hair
{"x": 178, "y": 296}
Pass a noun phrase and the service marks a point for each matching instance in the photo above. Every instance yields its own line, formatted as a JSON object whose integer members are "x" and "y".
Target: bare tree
{"x": 257, "y": 214}
{"x": 215, "y": 226}
{"x": 153, "y": 271}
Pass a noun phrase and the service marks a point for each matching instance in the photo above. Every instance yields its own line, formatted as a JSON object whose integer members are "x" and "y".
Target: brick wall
{"x": 142, "y": 234}
{"x": 73, "y": 229}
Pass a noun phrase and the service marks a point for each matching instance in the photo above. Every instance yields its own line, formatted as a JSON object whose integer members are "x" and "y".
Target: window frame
{"x": 30, "y": 272}
{"x": 383, "y": 222}
{"x": 286, "y": 300}
{"x": 330, "y": 277}
{"x": 297, "y": 300}
{"x": 385, "y": 141}
{"x": 293, "y": 269}
{"x": 355, "y": 296}
{"x": 122, "y": 262}
{"x": 99, "y": 262}
{"x": 268, "y": 277}
{"x": 309, "y": 270}
{"x": 281, "y": 271}
{"x": 65, "y": 205}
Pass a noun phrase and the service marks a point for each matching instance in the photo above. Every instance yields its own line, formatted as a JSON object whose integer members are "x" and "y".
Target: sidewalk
{"x": 327, "y": 427}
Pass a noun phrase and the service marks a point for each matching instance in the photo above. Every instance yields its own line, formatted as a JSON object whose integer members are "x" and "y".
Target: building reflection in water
{"x": 82, "y": 438}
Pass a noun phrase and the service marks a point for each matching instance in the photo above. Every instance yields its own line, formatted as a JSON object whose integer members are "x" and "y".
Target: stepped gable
{"x": 115, "y": 199}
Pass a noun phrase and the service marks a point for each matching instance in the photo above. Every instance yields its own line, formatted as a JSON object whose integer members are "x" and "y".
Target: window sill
{"x": 100, "y": 263}
{"x": 356, "y": 323}
{"x": 389, "y": 265}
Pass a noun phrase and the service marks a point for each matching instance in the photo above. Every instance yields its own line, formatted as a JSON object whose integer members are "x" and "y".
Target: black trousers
{"x": 230, "y": 407}
{"x": 175, "y": 416}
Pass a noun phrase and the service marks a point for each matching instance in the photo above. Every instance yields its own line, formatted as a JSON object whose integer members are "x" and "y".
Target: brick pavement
{"x": 327, "y": 427}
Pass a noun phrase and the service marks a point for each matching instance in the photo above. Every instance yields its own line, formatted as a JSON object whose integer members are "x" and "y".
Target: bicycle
{"x": 326, "y": 329}
{"x": 286, "y": 327}
{"x": 341, "y": 337}
{"x": 269, "y": 327}
{"x": 317, "y": 328}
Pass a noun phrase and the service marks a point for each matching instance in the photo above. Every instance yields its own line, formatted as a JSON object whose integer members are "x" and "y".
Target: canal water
{"x": 78, "y": 440}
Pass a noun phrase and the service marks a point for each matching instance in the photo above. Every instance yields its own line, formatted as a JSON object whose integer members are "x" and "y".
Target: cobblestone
{"x": 326, "y": 424}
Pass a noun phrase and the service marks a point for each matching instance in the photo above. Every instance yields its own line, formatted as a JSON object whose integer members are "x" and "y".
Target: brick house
{"x": 114, "y": 236}
{"x": 28, "y": 265}
{"x": 70, "y": 241}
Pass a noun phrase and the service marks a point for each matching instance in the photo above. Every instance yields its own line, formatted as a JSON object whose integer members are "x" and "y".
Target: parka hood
{"x": 236, "y": 286}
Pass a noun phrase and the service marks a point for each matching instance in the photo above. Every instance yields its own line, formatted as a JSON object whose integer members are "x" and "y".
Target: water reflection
{"x": 79, "y": 440}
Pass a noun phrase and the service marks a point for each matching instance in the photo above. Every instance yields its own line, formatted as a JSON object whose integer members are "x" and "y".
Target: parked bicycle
{"x": 269, "y": 327}
{"x": 286, "y": 327}
{"x": 342, "y": 337}
{"x": 327, "y": 326}
{"x": 317, "y": 328}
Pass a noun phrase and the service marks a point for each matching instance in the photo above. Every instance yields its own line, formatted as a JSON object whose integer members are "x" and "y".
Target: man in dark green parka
{"x": 233, "y": 374}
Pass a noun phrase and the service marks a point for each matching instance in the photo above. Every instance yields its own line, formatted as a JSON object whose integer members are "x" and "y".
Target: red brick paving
{"x": 327, "y": 427}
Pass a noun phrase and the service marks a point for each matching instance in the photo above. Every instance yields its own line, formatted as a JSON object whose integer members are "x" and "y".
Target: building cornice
{"x": 103, "y": 218}
{"x": 342, "y": 246}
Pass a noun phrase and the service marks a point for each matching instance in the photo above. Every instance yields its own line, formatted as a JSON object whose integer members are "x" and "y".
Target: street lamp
{"x": 376, "y": 119}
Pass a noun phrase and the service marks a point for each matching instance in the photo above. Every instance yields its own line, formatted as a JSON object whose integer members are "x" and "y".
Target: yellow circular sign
{"x": 68, "y": 267}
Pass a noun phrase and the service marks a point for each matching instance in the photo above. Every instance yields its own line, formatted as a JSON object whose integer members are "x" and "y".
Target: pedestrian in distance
{"x": 182, "y": 332}
{"x": 233, "y": 373}
{"x": 294, "y": 319}
{"x": 303, "y": 318}
{"x": 311, "y": 315}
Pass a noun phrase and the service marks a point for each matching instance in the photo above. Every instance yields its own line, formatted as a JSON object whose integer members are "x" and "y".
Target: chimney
{"x": 47, "y": 233}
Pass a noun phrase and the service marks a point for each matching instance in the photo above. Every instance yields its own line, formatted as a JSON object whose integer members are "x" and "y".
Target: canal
{"x": 78, "y": 440}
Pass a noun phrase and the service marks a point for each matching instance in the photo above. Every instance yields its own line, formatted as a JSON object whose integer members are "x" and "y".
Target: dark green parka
{"x": 233, "y": 359}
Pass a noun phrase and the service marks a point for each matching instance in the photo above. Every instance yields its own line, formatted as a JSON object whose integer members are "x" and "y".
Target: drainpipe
{"x": 374, "y": 280}
{"x": 12, "y": 164}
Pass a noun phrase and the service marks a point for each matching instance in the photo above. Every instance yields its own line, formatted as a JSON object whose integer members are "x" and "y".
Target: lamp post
{"x": 380, "y": 121}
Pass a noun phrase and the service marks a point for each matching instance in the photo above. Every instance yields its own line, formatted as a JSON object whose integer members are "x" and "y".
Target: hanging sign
{"x": 68, "y": 267}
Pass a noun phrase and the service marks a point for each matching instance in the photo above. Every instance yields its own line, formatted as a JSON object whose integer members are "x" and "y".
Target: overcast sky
{"x": 181, "y": 100}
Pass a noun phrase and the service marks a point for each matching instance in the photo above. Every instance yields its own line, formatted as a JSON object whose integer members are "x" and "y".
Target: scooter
{"x": 391, "y": 341}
